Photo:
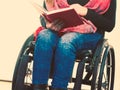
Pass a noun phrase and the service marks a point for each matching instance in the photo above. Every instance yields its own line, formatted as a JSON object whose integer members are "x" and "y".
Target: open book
{"x": 67, "y": 15}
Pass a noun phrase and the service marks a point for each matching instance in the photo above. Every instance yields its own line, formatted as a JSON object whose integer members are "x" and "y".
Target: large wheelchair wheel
{"x": 104, "y": 68}
{"x": 99, "y": 68}
{"x": 21, "y": 65}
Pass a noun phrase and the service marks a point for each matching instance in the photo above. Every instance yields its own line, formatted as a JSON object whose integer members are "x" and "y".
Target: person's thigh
{"x": 82, "y": 41}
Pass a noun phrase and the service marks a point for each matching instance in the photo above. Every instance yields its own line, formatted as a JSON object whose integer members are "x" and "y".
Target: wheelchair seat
{"x": 95, "y": 69}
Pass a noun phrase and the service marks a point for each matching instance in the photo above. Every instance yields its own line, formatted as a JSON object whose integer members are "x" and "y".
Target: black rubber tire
{"x": 96, "y": 59}
{"x": 21, "y": 75}
{"x": 108, "y": 56}
{"x": 108, "y": 63}
{"x": 19, "y": 60}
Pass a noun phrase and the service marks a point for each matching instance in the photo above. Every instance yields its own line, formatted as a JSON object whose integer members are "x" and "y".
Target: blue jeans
{"x": 63, "y": 49}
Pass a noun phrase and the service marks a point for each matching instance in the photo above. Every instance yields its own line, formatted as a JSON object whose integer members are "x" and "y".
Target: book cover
{"x": 67, "y": 15}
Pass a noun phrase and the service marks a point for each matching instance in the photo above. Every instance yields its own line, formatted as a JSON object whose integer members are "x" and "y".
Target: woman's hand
{"x": 55, "y": 25}
{"x": 81, "y": 10}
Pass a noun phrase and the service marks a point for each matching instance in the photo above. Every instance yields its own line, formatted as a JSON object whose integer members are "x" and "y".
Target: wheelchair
{"x": 95, "y": 69}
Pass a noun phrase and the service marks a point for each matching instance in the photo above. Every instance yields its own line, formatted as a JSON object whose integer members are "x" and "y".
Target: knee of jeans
{"x": 68, "y": 38}
{"x": 47, "y": 36}
{"x": 68, "y": 41}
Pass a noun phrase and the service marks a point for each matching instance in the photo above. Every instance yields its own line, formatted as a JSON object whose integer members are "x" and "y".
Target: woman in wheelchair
{"x": 60, "y": 45}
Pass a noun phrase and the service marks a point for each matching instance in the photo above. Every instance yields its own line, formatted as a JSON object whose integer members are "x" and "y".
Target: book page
{"x": 42, "y": 10}
{"x": 39, "y": 8}
{"x": 59, "y": 10}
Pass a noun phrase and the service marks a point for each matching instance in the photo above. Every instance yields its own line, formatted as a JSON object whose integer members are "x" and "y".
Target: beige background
{"x": 18, "y": 19}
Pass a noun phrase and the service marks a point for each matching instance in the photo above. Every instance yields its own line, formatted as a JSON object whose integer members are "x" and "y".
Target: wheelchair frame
{"x": 98, "y": 67}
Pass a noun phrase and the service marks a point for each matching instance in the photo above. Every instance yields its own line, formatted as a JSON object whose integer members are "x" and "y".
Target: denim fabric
{"x": 63, "y": 49}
